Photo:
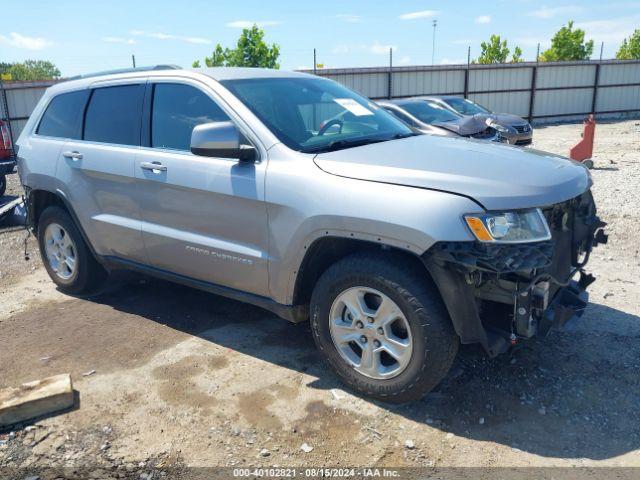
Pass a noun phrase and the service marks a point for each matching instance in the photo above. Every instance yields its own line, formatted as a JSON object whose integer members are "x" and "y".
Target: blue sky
{"x": 85, "y": 36}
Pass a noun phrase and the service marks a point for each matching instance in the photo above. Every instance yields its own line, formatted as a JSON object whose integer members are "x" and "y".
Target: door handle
{"x": 154, "y": 166}
{"x": 73, "y": 155}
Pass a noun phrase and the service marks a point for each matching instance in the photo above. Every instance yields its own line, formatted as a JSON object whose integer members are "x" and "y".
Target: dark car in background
{"x": 428, "y": 116}
{"x": 516, "y": 130}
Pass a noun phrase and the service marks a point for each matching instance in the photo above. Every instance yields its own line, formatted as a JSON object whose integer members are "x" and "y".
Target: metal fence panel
{"x": 618, "y": 99}
{"x": 562, "y": 102}
{"x": 564, "y": 76}
{"x": 611, "y": 74}
{"x": 22, "y": 102}
{"x": 499, "y": 79}
{"x": 373, "y": 85}
{"x": 516, "y": 103}
{"x": 407, "y": 84}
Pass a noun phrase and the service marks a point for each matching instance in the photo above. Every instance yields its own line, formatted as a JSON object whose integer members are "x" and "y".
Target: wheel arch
{"x": 327, "y": 250}
{"x": 38, "y": 199}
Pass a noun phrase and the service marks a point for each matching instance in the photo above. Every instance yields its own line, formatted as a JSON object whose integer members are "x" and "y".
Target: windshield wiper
{"x": 356, "y": 142}
{"x": 398, "y": 136}
{"x": 346, "y": 143}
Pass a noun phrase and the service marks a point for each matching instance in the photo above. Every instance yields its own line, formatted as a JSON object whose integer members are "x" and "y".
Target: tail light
{"x": 5, "y": 138}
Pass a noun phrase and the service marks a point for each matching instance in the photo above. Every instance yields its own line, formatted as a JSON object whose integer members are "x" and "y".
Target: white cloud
{"x": 551, "y": 12}
{"x": 417, "y": 15}
{"x": 128, "y": 41}
{"x": 251, "y": 23}
{"x": 349, "y": 18}
{"x": 168, "y": 36}
{"x": 22, "y": 41}
{"x": 452, "y": 61}
{"x": 613, "y": 30}
{"x": 406, "y": 60}
{"x": 483, "y": 19}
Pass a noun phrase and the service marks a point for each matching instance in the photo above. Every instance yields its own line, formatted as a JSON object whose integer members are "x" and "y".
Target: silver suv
{"x": 300, "y": 196}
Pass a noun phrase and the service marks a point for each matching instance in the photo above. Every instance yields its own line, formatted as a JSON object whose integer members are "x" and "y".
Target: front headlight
{"x": 509, "y": 227}
{"x": 500, "y": 128}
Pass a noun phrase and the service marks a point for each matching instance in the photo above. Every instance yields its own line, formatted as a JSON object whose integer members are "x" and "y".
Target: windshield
{"x": 315, "y": 114}
{"x": 464, "y": 106}
{"x": 429, "y": 112}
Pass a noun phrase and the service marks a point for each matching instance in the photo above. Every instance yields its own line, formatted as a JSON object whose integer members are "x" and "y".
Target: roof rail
{"x": 125, "y": 70}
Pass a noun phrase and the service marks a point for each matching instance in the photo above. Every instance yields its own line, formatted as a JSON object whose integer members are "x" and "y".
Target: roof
{"x": 217, "y": 73}
{"x": 404, "y": 101}
{"x": 236, "y": 73}
{"x": 444, "y": 97}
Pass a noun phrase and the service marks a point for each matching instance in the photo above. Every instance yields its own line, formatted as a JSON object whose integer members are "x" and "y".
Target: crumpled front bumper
{"x": 498, "y": 295}
{"x": 567, "y": 306}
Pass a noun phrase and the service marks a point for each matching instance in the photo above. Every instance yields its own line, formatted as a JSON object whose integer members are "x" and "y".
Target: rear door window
{"x": 63, "y": 117}
{"x": 177, "y": 110}
{"x": 114, "y": 115}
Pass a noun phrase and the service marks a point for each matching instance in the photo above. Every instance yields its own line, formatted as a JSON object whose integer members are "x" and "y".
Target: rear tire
{"x": 422, "y": 327}
{"x": 65, "y": 255}
{"x": 3, "y": 184}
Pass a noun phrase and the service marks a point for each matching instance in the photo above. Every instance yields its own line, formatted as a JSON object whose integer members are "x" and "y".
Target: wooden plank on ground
{"x": 35, "y": 399}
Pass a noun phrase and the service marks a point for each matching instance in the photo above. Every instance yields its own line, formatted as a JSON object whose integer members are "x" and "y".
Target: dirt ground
{"x": 184, "y": 378}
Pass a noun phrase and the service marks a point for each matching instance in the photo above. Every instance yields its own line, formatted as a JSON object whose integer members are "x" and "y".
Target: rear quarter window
{"x": 63, "y": 116}
{"x": 114, "y": 115}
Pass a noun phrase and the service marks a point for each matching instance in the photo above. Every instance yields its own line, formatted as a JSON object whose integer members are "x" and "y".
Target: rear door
{"x": 98, "y": 170}
{"x": 203, "y": 217}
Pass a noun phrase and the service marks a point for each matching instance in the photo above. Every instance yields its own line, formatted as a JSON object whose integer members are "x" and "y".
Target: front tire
{"x": 65, "y": 255}
{"x": 381, "y": 325}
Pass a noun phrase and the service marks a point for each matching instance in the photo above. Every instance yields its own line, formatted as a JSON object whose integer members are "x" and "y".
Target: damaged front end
{"x": 500, "y": 293}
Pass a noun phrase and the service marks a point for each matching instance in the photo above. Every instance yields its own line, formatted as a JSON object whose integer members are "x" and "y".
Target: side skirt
{"x": 292, "y": 313}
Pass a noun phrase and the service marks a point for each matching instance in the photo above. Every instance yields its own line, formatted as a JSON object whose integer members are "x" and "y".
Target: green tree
{"x": 497, "y": 50}
{"x": 517, "y": 55}
{"x": 221, "y": 58}
{"x": 630, "y": 48}
{"x": 30, "y": 70}
{"x": 568, "y": 44}
{"x": 251, "y": 51}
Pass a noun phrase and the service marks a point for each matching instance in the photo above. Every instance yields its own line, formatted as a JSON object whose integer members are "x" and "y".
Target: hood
{"x": 465, "y": 125}
{"x": 507, "y": 119}
{"x": 499, "y": 177}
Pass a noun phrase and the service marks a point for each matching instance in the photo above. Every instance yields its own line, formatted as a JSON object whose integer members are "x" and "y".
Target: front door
{"x": 202, "y": 217}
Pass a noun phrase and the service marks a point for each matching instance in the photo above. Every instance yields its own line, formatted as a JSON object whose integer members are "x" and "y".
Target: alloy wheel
{"x": 370, "y": 332}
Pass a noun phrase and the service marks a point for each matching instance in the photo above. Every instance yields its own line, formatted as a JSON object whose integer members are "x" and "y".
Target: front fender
{"x": 305, "y": 203}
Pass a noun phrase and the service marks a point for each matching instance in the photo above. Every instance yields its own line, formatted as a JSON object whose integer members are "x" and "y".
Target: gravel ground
{"x": 183, "y": 378}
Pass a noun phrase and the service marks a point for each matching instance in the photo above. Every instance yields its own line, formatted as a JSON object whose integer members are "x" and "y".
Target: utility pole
{"x": 538, "y": 54}
{"x": 466, "y": 73}
{"x": 133, "y": 60}
{"x": 601, "y": 50}
{"x": 433, "y": 43}
{"x": 315, "y": 63}
{"x": 390, "y": 80}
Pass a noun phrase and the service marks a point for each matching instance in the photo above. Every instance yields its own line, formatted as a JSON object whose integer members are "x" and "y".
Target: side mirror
{"x": 222, "y": 140}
